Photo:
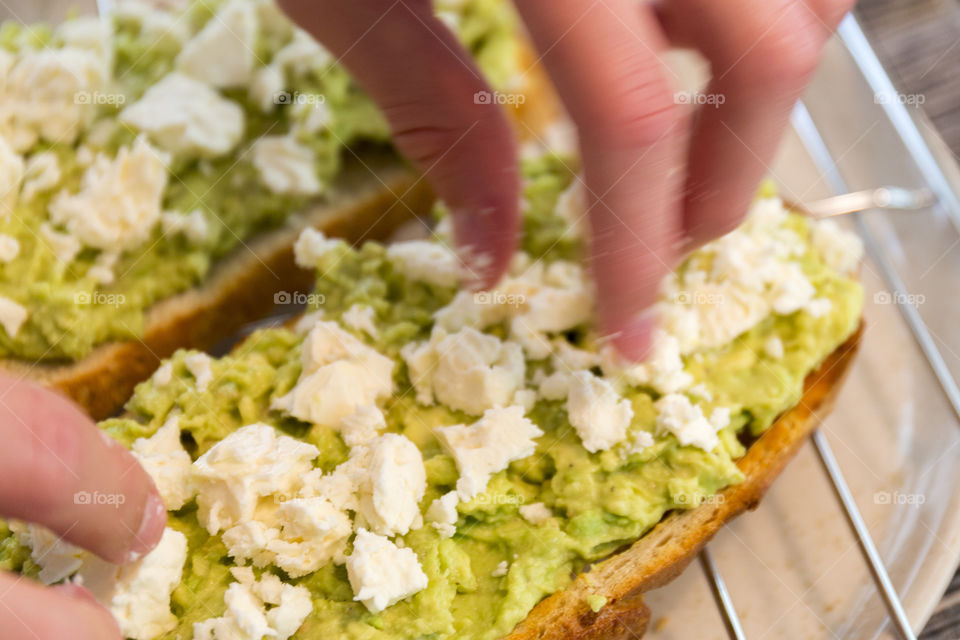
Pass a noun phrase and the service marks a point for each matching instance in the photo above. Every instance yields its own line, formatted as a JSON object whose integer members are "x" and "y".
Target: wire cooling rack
{"x": 936, "y": 180}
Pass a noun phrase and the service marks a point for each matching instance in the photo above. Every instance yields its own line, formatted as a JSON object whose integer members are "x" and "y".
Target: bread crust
{"x": 371, "y": 198}
{"x": 663, "y": 553}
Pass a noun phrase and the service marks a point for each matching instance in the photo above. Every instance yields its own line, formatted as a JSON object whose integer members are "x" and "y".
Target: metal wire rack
{"x": 854, "y": 40}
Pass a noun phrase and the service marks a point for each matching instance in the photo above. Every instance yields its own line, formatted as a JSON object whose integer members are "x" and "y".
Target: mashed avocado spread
{"x": 563, "y": 453}
{"x": 138, "y": 149}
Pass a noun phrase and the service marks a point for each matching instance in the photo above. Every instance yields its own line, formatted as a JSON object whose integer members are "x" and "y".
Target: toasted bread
{"x": 663, "y": 553}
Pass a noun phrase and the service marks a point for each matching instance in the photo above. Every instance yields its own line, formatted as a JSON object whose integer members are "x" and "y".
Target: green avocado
{"x": 600, "y": 501}
{"x": 69, "y": 312}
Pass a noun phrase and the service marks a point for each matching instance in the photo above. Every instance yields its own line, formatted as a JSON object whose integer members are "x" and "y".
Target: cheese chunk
{"x": 9, "y": 248}
{"x": 186, "y": 117}
{"x": 488, "y": 446}
{"x": 311, "y": 245}
{"x": 286, "y": 166}
{"x": 222, "y": 53}
{"x": 442, "y": 514}
{"x": 395, "y": 482}
{"x": 535, "y": 513}
{"x": 677, "y": 415}
{"x": 598, "y": 413}
{"x": 663, "y": 370}
{"x": 11, "y": 175}
{"x": 425, "y": 261}
{"x": 41, "y": 173}
{"x": 381, "y": 573}
{"x": 119, "y": 200}
{"x": 167, "y": 462}
{"x": 12, "y": 316}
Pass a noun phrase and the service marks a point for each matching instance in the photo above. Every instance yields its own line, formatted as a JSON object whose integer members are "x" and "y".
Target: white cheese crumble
{"x": 198, "y": 364}
{"x": 286, "y": 166}
{"x": 193, "y": 225}
{"x": 773, "y": 347}
{"x": 598, "y": 413}
{"x": 41, "y": 173}
{"x": 488, "y": 446}
{"x": 468, "y": 370}
{"x": 676, "y": 414}
{"x": 266, "y": 87}
{"x": 442, "y": 514}
{"x": 535, "y": 513}
{"x": 222, "y": 53}
{"x": 163, "y": 375}
{"x": 11, "y": 175}
{"x": 500, "y": 570}
{"x": 425, "y": 261}
{"x": 102, "y": 268}
{"x": 663, "y": 369}
{"x": 247, "y": 616}
{"x": 841, "y": 250}
{"x": 381, "y": 573}
{"x": 12, "y": 316}
{"x": 168, "y": 463}
{"x": 186, "y": 117}
{"x": 119, "y": 200}
{"x": 391, "y": 490}
{"x": 57, "y": 558}
{"x": 340, "y": 375}
{"x": 311, "y": 245}
{"x": 64, "y": 246}
{"x": 361, "y": 317}
{"x": 138, "y": 594}
{"x": 362, "y": 426}
{"x": 302, "y": 54}
{"x": 9, "y": 248}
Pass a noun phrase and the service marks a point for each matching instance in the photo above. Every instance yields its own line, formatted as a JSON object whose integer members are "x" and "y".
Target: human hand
{"x": 659, "y": 181}
{"x": 51, "y": 453}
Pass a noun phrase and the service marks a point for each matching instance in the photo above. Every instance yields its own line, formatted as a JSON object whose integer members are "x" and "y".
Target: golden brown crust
{"x": 369, "y": 201}
{"x": 663, "y": 553}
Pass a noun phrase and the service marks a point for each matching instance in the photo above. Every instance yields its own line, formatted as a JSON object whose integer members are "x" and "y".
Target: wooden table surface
{"x": 919, "y": 44}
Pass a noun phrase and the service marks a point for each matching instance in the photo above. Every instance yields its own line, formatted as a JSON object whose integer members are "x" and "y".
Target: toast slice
{"x": 370, "y": 198}
{"x": 662, "y": 554}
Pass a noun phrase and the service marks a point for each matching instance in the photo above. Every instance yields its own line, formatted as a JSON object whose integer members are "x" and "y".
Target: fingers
{"x": 57, "y": 469}
{"x": 762, "y": 54}
{"x": 29, "y": 611}
{"x": 426, "y": 84}
{"x": 604, "y": 59}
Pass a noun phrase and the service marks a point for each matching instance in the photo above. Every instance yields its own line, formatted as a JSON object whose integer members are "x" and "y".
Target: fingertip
{"x": 152, "y": 524}
{"x": 486, "y": 240}
{"x": 633, "y": 337}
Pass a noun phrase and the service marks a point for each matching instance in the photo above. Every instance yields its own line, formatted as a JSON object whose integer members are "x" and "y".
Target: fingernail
{"x": 74, "y": 590}
{"x": 151, "y": 528}
{"x": 634, "y": 338}
{"x": 477, "y": 267}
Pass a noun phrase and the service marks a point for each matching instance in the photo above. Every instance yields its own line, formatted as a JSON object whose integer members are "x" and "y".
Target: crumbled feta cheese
{"x": 302, "y": 54}
{"x": 11, "y": 175}
{"x": 381, "y": 573}
{"x": 168, "y": 463}
{"x": 41, "y": 173}
{"x": 425, "y": 261}
{"x": 555, "y": 386}
{"x": 841, "y": 250}
{"x": 251, "y": 463}
{"x": 818, "y": 307}
{"x": 12, "y": 316}
{"x": 285, "y": 165}
{"x": 102, "y": 269}
{"x": 467, "y": 370}
{"x": 637, "y": 441}
{"x": 266, "y": 87}
{"x": 9, "y": 247}
{"x": 312, "y": 245}
{"x": 163, "y": 375}
{"x": 340, "y": 374}
{"x": 791, "y": 291}
{"x": 138, "y": 594}
{"x": 185, "y": 116}
{"x": 773, "y": 347}
{"x": 193, "y": 225}
{"x": 310, "y": 116}
{"x": 487, "y": 446}
{"x": 500, "y": 570}
{"x": 362, "y": 426}
{"x": 442, "y": 514}
{"x": 247, "y": 616}
{"x": 155, "y": 24}
{"x": 92, "y": 34}
{"x": 701, "y": 391}
{"x": 535, "y": 513}
{"x": 663, "y": 370}
{"x": 222, "y": 53}
{"x": 47, "y": 95}
{"x": 56, "y": 558}
{"x": 676, "y": 414}
{"x": 568, "y": 358}
{"x": 119, "y": 200}
{"x": 198, "y": 364}
{"x": 525, "y": 398}
{"x": 396, "y": 480}
{"x": 64, "y": 246}
{"x": 361, "y": 317}
{"x": 598, "y": 413}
